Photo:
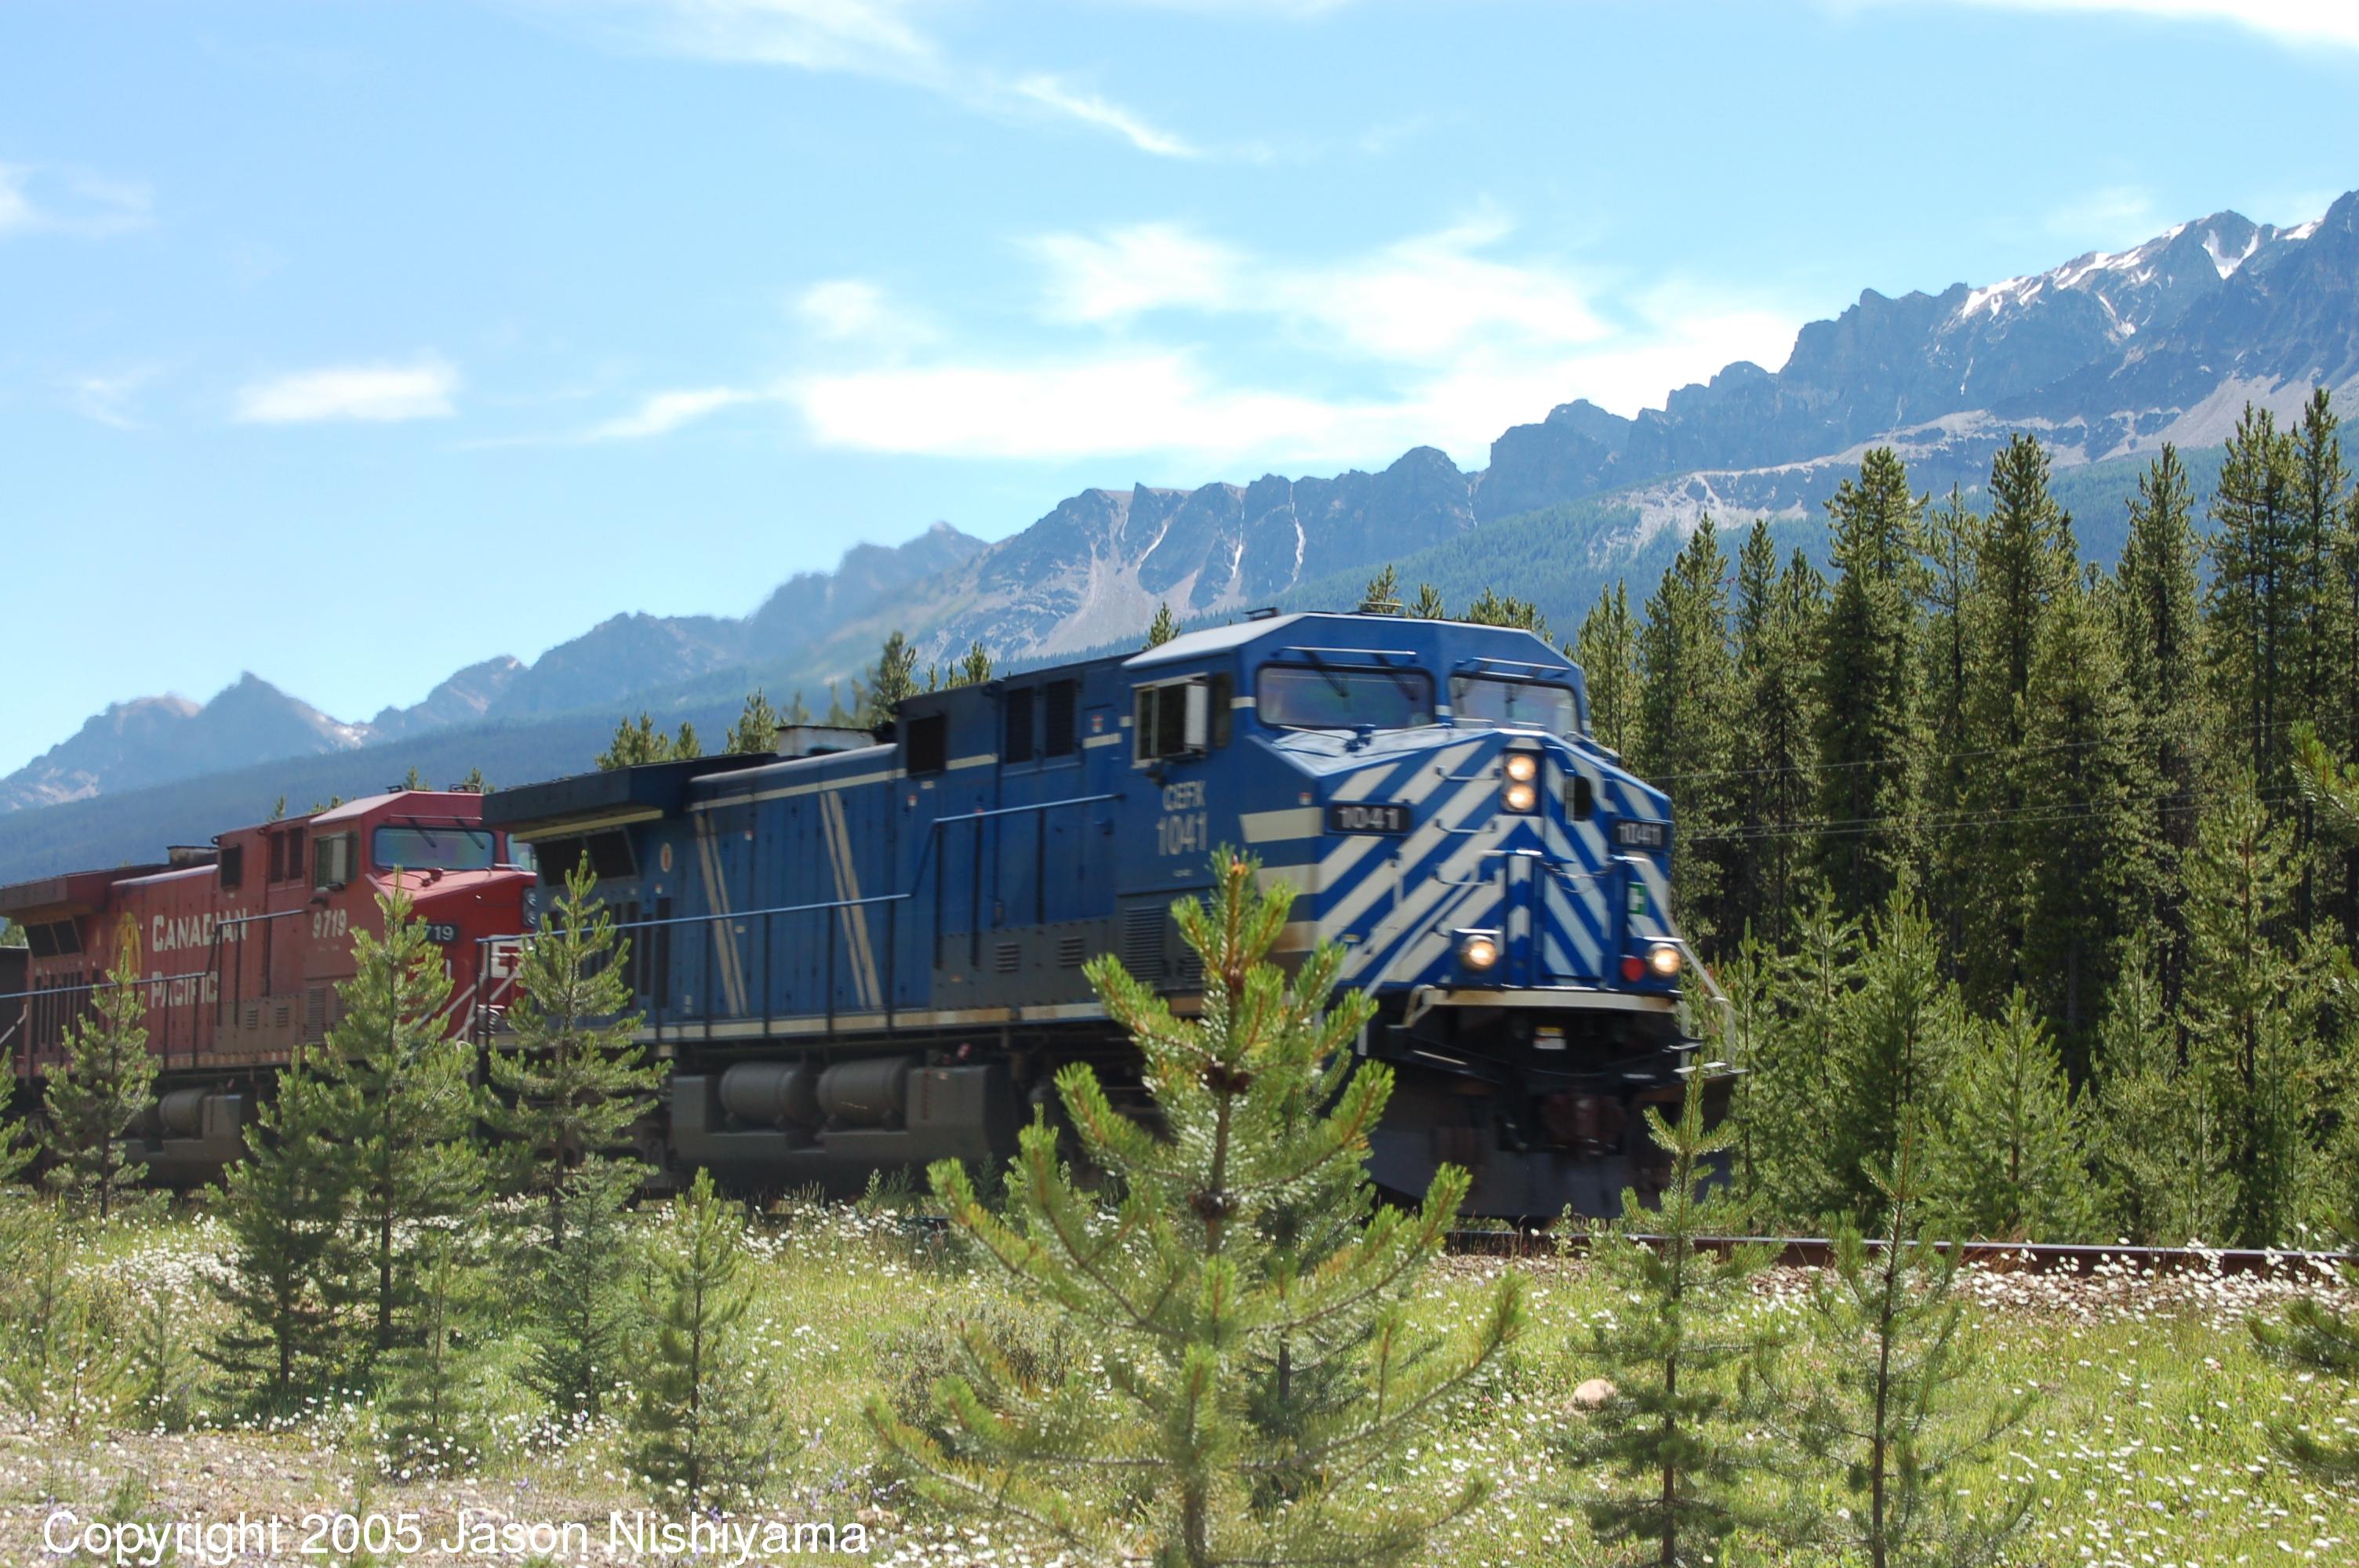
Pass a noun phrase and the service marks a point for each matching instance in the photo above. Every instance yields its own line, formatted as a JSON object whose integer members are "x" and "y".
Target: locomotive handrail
{"x": 978, "y": 816}
{"x": 949, "y": 817}
{"x": 484, "y": 944}
{"x": 1360, "y": 653}
{"x": 92, "y": 988}
{"x": 730, "y": 915}
{"x": 1480, "y": 659}
{"x": 98, "y": 986}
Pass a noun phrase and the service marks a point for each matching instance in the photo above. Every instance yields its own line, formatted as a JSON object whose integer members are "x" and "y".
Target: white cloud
{"x": 2114, "y": 213}
{"x": 1438, "y": 339}
{"x": 1441, "y": 345}
{"x": 67, "y": 201}
{"x": 873, "y": 38}
{"x": 371, "y": 392}
{"x": 879, "y": 39}
{"x": 2294, "y": 21}
{"x": 851, "y": 309}
{"x": 664, "y": 412}
{"x": 1424, "y": 299}
{"x": 106, "y": 398}
{"x": 1092, "y": 110}
{"x": 1127, "y": 272}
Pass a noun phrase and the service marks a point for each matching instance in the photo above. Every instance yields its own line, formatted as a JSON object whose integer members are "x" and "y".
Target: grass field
{"x": 2146, "y": 1443}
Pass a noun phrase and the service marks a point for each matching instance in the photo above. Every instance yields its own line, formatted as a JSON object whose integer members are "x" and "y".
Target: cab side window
{"x": 332, "y": 860}
{"x": 1180, "y": 718}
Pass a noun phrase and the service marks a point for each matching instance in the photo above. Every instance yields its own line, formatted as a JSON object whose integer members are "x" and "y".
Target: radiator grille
{"x": 1007, "y": 958}
{"x": 1071, "y": 952}
{"x": 1142, "y": 942}
{"x": 315, "y": 1014}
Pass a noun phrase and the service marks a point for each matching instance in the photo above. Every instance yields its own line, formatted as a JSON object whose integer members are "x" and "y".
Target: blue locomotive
{"x": 864, "y": 953}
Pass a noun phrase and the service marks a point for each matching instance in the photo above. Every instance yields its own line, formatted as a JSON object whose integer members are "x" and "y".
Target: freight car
{"x": 242, "y": 944}
{"x": 863, "y": 953}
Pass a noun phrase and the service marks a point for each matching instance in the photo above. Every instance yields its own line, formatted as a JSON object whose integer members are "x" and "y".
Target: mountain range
{"x": 2105, "y": 357}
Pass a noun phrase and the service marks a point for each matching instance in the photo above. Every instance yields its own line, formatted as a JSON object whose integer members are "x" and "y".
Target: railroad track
{"x": 1817, "y": 1252}
{"x": 2017, "y": 1256}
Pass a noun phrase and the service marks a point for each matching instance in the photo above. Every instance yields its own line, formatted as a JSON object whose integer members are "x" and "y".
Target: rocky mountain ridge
{"x": 2106, "y": 356}
{"x": 159, "y": 740}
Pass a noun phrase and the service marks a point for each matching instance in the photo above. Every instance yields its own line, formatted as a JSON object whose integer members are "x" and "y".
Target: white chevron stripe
{"x": 719, "y": 931}
{"x": 855, "y": 921}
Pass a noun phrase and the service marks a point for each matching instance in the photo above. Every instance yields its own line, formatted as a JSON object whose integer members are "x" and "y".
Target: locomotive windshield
{"x": 431, "y": 848}
{"x": 1325, "y": 696}
{"x": 1514, "y": 704}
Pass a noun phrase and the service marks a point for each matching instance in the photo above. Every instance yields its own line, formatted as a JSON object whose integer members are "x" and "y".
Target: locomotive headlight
{"x": 1665, "y": 959}
{"x": 1478, "y": 950}
{"x": 1521, "y": 791}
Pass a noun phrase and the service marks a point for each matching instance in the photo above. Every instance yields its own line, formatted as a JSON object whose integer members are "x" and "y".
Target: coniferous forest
{"x": 2045, "y": 869}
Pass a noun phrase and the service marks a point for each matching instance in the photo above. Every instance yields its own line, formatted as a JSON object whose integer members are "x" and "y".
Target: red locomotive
{"x": 242, "y": 944}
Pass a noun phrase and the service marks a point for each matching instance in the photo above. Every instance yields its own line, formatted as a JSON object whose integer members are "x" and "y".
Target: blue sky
{"x": 349, "y": 343}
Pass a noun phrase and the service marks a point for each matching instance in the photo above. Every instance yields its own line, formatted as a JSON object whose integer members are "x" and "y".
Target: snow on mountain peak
{"x": 2228, "y": 264}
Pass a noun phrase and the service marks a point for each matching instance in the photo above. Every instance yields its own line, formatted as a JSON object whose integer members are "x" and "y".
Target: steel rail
{"x": 2080, "y": 1258}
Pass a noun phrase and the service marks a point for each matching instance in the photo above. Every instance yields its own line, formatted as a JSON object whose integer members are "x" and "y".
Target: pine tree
{"x": 573, "y": 1081}
{"x": 1685, "y": 742}
{"x": 2082, "y": 828}
{"x": 1789, "y": 1007}
{"x": 2320, "y": 483}
{"x": 975, "y": 668}
{"x": 400, "y": 1110}
{"x": 2024, "y": 562}
{"x": 568, "y": 1091}
{"x": 1891, "y": 1326}
{"x": 581, "y": 1322}
{"x": 1868, "y": 743}
{"x": 1607, "y": 652}
{"x": 433, "y": 1418}
{"x": 1163, "y": 628}
{"x": 1429, "y": 605}
{"x": 162, "y": 1362}
{"x": 2245, "y": 989}
{"x": 2160, "y": 1140}
{"x": 633, "y": 746}
{"x": 756, "y": 732}
{"x": 643, "y": 743}
{"x": 1674, "y": 1429}
{"x": 16, "y": 1151}
{"x": 1895, "y": 1042}
{"x": 109, "y": 1082}
{"x": 2252, "y": 619}
{"x": 1953, "y": 543}
{"x": 290, "y": 1255}
{"x": 1776, "y": 733}
{"x": 473, "y": 784}
{"x": 896, "y": 670}
{"x": 1491, "y": 609}
{"x": 1383, "y": 594}
{"x": 412, "y": 780}
{"x": 12, "y": 934}
{"x": 2313, "y": 1334}
{"x": 1185, "y": 1293}
{"x": 706, "y": 1425}
{"x": 2157, "y": 600}
{"x": 2014, "y": 1165}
